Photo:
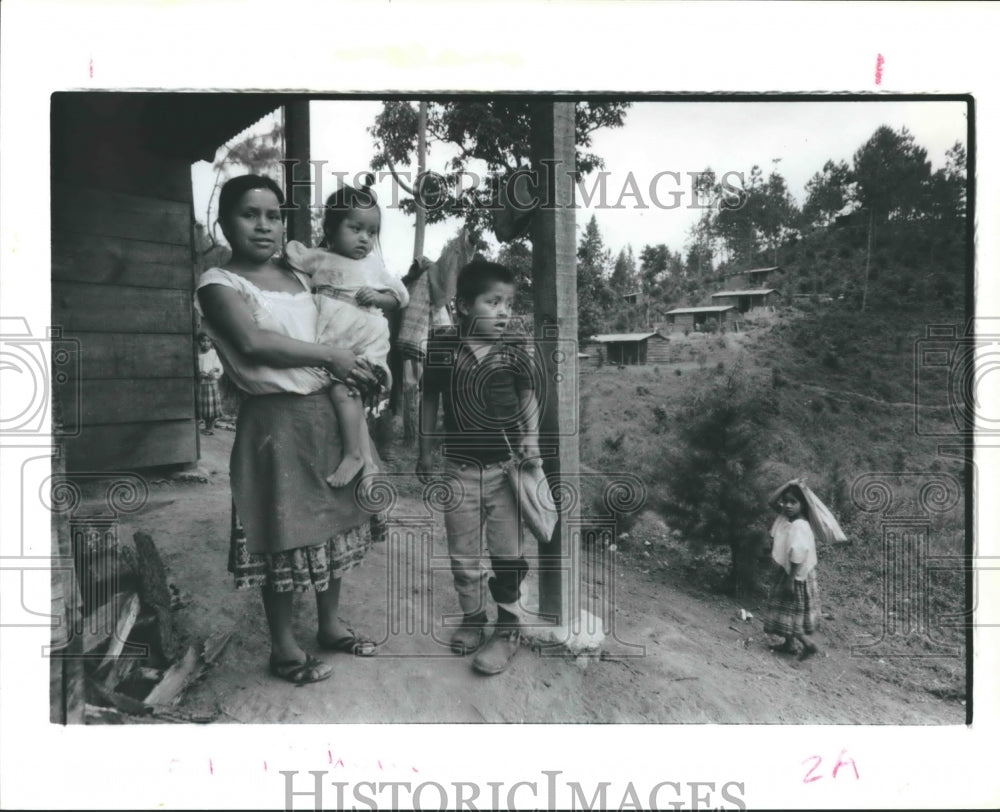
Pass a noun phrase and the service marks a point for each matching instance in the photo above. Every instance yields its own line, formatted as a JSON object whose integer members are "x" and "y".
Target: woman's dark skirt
{"x": 290, "y": 529}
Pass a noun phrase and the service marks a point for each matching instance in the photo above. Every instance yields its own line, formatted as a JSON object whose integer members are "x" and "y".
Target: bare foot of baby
{"x": 346, "y": 471}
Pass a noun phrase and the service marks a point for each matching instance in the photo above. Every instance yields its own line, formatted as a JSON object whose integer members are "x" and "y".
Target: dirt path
{"x": 675, "y": 657}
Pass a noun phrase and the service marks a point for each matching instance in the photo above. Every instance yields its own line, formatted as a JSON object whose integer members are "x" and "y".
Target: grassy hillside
{"x": 840, "y": 390}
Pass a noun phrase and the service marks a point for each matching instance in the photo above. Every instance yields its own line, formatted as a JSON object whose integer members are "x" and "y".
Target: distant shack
{"x": 753, "y": 278}
{"x": 698, "y": 318}
{"x": 634, "y": 348}
{"x": 746, "y": 299}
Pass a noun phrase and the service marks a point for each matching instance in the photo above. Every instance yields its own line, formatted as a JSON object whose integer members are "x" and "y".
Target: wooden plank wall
{"x": 122, "y": 285}
{"x": 657, "y": 350}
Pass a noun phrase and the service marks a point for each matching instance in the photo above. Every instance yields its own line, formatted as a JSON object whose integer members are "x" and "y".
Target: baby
{"x": 352, "y": 287}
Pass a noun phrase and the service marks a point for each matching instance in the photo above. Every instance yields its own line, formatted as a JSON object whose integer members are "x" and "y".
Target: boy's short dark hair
{"x": 477, "y": 277}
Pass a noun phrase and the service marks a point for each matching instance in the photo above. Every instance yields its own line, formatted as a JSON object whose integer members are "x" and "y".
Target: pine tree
{"x": 594, "y": 295}
{"x": 714, "y": 496}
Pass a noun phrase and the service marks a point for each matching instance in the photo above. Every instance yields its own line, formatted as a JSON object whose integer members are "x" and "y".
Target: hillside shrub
{"x": 712, "y": 478}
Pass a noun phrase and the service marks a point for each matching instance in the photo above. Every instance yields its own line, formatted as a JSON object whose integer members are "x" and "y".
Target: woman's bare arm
{"x": 230, "y": 317}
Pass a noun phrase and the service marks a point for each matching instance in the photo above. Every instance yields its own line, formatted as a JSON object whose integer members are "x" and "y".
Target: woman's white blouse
{"x": 291, "y": 314}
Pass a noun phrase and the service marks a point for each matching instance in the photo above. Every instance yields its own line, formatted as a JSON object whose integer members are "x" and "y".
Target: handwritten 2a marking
{"x": 843, "y": 760}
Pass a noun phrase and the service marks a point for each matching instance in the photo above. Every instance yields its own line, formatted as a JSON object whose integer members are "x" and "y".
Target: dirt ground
{"x": 674, "y": 656}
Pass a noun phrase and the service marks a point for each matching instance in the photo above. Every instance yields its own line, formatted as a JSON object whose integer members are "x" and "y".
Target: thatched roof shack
{"x": 123, "y": 267}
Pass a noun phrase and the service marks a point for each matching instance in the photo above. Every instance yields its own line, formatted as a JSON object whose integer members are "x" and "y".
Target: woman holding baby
{"x": 300, "y": 533}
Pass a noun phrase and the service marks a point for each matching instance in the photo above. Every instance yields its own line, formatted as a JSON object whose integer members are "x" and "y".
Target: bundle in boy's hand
{"x": 534, "y": 497}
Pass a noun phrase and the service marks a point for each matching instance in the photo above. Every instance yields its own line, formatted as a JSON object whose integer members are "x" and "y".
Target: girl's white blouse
{"x": 794, "y": 543}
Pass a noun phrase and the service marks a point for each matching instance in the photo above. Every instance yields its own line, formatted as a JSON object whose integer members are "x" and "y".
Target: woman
{"x": 299, "y": 532}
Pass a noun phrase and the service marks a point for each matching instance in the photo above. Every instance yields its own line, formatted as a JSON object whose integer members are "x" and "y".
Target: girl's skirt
{"x": 794, "y": 612}
{"x": 290, "y": 529}
{"x": 209, "y": 400}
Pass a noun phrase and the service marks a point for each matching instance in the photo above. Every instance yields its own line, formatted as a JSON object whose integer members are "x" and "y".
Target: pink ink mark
{"x": 265, "y": 766}
{"x": 329, "y": 757}
{"x": 91, "y": 67}
{"x": 842, "y": 761}
{"x": 211, "y": 767}
{"x": 809, "y": 777}
{"x": 380, "y": 765}
{"x": 879, "y": 62}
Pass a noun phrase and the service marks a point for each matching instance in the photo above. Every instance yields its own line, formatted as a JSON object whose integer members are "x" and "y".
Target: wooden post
{"x": 300, "y": 193}
{"x": 553, "y": 236}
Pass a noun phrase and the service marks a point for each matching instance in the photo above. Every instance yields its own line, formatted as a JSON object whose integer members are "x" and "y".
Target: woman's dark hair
{"x": 340, "y": 203}
{"x": 234, "y": 189}
{"x": 796, "y": 491}
{"x": 478, "y": 276}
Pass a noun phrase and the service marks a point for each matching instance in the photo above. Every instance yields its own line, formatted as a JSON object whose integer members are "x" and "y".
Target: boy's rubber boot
{"x": 470, "y": 636}
{"x": 496, "y": 655}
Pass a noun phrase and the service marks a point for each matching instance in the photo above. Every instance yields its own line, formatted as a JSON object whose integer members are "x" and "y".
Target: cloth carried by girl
{"x": 825, "y": 527}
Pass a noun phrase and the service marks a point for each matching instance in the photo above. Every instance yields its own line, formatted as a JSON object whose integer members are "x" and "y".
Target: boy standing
{"x": 484, "y": 384}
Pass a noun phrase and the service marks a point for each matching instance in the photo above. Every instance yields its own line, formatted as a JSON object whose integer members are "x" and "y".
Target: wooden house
{"x": 753, "y": 278}
{"x": 123, "y": 269}
{"x": 746, "y": 299}
{"x": 633, "y": 348}
{"x": 697, "y": 318}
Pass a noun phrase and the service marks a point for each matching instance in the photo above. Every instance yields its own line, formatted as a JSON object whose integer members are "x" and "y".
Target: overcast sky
{"x": 657, "y": 137}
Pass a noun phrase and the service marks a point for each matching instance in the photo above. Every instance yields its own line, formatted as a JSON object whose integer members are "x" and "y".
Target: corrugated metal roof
{"x": 612, "y": 337}
{"x": 707, "y": 309}
{"x": 750, "y": 292}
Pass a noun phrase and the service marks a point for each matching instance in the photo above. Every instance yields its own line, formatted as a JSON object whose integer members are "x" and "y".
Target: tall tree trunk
{"x": 412, "y": 371}
{"x": 868, "y": 258}
{"x": 421, "y": 224}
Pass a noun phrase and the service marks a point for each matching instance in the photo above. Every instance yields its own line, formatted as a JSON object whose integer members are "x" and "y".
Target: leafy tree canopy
{"x": 491, "y": 132}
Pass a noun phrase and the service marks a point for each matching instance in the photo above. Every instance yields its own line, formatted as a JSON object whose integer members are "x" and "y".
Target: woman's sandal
{"x": 300, "y": 672}
{"x": 787, "y": 647}
{"x": 350, "y": 643}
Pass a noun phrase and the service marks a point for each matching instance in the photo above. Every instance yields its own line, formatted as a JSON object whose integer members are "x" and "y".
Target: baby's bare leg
{"x": 366, "y": 450}
{"x": 350, "y": 415}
